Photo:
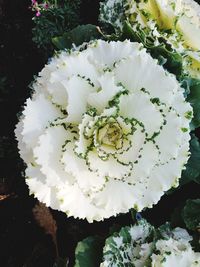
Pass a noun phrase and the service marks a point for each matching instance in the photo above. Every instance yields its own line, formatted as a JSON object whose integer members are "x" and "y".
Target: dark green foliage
{"x": 193, "y": 97}
{"x": 89, "y": 252}
{"x": 54, "y": 21}
{"x": 191, "y": 214}
{"x": 176, "y": 217}
{"x": 192, "y": 172}
{"x": 77, "y": 36}
{"x": 187, "y": 215}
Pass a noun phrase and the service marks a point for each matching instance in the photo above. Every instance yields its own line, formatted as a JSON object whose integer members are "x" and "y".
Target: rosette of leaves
{"x": 106, "y": 127}
{"x": 142, "y": 245}
{"x": 54, "y": 20}
{"x": 174, "y": 24}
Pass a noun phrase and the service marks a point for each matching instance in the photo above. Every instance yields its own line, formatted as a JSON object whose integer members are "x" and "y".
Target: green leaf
{"x": 192, "y": 171}
{"x": 129, "y": 33}
{"x": 173, "y": 60}
{"x": 89, "y": 252}
{"x": 191, "y": 214}
{"x": 194, "y": 99}
{"x": 166, "y": 56}
{"x": 112, "y": 13}
{"x": 119, "y": 245}
{"x": 77, "y": 36}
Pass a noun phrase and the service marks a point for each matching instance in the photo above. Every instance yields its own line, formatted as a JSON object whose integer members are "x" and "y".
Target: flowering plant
{"x": 53, "y": 18}
{"x": 38, "y": 8}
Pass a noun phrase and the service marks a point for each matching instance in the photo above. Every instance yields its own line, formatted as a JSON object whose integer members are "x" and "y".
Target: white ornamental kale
{"x": 178, "y": 22}
{"x": 132, "y": 246}
{"x": 143, "y": 246}
{"x": 106, "y": 129}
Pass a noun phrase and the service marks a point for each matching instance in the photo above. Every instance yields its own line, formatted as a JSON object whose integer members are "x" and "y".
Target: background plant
{"x": 53, "y": 18}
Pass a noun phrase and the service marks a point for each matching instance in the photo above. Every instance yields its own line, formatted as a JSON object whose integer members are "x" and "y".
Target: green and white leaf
{"x": 106, "y": 126}
{"x": 88, "y": 252}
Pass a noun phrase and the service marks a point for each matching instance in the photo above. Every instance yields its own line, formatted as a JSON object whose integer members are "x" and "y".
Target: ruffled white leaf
{"x": 183, "y": 109}
{"x": 190, "y": 32}
{"x": 138, "y": 106}
{"x": 58, "y": 94}
{"x": 175, "y": 253}
{"x": 78, "y": 90}
{"x": 53, "y": 90}
{"x": 37, "y": 115}
{"x": 110, "y": 167}
{"x": 180, "y": 234}
{"x": 36, "y": 182}
{"x": 149, "y": 158}
{"x": 25, "y": 152}
{"x": 111, "y": 202}
{"x": 170, "y": 138}
{"x": 87, "y": 179}
{"x": 165, "y": 176}
{"x": 109, "y": 112}
{"x": 106, "y": 54}
{"x": 77, "y": 204}
{"x": 83, "y": 143}
{"x": 75, "y": 64}
{"x": 49, "y": 152}
{"x": 137, "y": 139}
{"x": 130, "y": 72}
{"x": 107, "y": 90}
{"x": 141, "y": 231}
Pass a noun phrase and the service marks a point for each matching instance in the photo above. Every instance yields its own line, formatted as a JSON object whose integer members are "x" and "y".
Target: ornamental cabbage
{"x": 106, "y": 130}
{"x": 142, "y": 245}
{"x": 176, "y": 22}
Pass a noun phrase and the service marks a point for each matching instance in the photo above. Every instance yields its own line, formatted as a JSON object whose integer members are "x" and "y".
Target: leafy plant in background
{"x": 172, "y": 24}
{"x": 191, "y": 214}
{"x": 53, "y": 18}
{"x": 141, "y": 245}
{"x": 89, "y": 252}
{"x": 187, "y": 215}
